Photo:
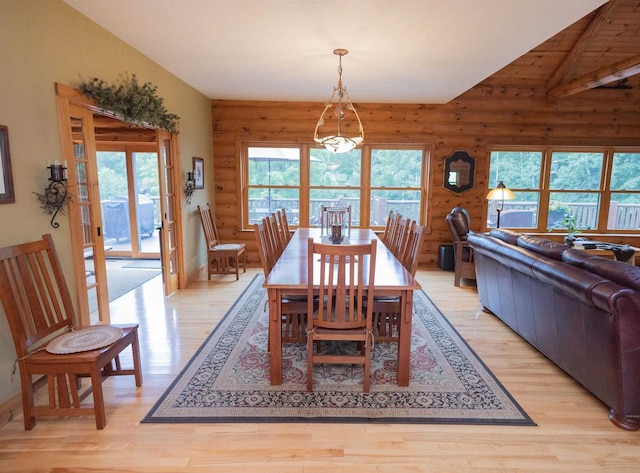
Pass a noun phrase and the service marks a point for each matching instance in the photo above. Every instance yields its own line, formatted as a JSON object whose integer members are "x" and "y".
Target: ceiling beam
{"x": 606, "y": 75}
{"x": 571, "y": 60}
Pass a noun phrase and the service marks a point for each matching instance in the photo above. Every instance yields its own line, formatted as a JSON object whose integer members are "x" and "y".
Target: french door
{"x": 75, "y": 115}
{"x": 170, "y": 230}
{"x": 85, "y": 217}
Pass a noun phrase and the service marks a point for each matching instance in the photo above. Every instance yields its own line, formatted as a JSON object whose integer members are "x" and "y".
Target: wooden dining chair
{"x": 345, "y": 276}
{"x": 389, "y": 229}
{"x": 293, "y": 307}
{"x": 41, "y": 317}
{"x": 386, "y": 310}
{"x": 283, "y": 224}
{"x": 400, "y": 236}
{"x": 222, "y": 258}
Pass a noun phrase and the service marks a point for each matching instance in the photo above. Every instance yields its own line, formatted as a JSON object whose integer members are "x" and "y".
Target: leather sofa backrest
{"x": 506, "y": 235}
{"x": 542, "y": 246}
{"x": 624, "y": 274}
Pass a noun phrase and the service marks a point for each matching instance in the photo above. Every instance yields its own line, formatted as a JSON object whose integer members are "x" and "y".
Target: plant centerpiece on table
{"x": 134, "y": 103}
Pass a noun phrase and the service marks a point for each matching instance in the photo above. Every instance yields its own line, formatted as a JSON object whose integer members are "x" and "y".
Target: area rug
{"x": 227, "y": 380}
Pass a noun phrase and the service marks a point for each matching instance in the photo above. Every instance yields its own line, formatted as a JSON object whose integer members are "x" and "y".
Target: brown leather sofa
{"x": 581, "y": 311}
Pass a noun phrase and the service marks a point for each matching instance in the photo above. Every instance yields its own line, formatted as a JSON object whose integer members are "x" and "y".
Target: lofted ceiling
{"x": 402, "y": 51}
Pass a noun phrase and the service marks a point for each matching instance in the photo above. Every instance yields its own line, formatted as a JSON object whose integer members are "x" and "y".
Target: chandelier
{"x": 338, "y": 143}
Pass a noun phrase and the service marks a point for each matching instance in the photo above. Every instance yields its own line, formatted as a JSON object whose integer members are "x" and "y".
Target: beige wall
{"x": 44, "y": 42}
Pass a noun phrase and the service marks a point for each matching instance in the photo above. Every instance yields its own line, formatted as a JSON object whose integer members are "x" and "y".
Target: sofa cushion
{"x": 505, "y": 234}
{"x": 624, "y": 274}
{"x": 542, "y": 246}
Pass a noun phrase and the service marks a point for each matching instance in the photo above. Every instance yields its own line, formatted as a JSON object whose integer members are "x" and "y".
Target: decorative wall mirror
{"x": 459, "y": 172}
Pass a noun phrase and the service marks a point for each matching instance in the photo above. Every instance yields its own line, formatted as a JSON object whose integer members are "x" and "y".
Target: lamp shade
{"x": 500, "y": 192}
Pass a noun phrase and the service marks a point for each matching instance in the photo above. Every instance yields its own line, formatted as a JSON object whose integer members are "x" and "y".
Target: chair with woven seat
{"x": 222, "y": 258}
{"x": 459, "y": 225}
{"x": 41, "y": 317}
{"x": 345, "y": 277}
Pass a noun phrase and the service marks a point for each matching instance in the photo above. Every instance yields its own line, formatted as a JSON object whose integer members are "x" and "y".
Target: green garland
{"x": 136, "y": 104}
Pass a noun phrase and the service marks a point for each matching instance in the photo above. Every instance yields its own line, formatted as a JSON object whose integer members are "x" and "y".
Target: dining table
{"x": 290, "y": 276}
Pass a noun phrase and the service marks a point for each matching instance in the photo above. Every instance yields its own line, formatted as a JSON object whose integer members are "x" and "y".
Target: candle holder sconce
{"x": 190, "y": 186}
{"x": 56, "y": 195}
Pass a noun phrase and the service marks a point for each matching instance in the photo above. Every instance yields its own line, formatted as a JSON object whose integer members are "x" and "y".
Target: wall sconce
{"x": 190, "y": 186}
{"x": 55, "y": 196}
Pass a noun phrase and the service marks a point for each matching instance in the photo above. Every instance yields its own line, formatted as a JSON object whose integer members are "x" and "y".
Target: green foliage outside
{"x": 112, "y": 174}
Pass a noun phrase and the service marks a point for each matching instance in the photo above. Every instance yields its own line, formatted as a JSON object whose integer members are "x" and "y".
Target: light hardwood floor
{"x": 573, "y": 432}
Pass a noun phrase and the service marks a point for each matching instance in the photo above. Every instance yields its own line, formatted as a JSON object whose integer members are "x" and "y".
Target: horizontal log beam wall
{"x": 488, "y": 114}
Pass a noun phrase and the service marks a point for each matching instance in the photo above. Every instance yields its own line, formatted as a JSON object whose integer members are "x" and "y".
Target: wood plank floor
{"x": 573, "y": 432}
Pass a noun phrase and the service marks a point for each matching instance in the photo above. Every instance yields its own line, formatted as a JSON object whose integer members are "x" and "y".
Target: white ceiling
{"x": 400, "y": 51}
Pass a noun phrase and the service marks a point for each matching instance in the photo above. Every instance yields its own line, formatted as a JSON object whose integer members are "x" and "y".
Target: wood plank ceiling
{"x": 600, "y": 50}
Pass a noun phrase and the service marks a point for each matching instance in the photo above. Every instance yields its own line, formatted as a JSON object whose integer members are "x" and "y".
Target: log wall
{"x": 488, "y": 114}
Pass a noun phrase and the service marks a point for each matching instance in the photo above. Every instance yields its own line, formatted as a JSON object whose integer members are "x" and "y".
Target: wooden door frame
{"x": 66, "y": 96}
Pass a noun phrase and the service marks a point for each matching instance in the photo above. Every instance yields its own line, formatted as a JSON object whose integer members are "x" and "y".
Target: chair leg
{"x": 137, "y": 365}
{"x": 98, "y": 399}
{"x": 27, "y": 400}
{"x": 309, "y": 362}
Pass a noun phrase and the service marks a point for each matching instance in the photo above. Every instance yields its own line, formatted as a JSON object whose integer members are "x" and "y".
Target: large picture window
{"x": 302, "y": 179}
{"x": 598, "y": 188}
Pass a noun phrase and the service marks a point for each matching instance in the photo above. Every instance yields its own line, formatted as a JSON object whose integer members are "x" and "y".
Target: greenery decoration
{"x": 136, "y": 104}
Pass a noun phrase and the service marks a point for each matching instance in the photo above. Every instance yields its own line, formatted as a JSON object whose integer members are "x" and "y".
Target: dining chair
{"x": 399, "y": 238}
{"x": 48, "y": 343}
{"x": 223, "y": 258}
{"x": 276, "y": 242}
{"x": 283, "y": 224}
{"x": 459, "y": 225}
{"x": 389, "y": 229}
{"x": 292, "y": 307}
{"x": 386, "y": 310}
{"x": 344, "y": 275}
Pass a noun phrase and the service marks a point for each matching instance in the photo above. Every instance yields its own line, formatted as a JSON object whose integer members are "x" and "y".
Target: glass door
{"x": 170, "y": 229}
{"x": 130, "y": 200}
{"x": 85, "y": 214}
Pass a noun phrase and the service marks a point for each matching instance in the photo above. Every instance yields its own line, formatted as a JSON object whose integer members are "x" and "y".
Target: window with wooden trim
{"x": 374, "y": 180}
{"x": 598, "y": 188}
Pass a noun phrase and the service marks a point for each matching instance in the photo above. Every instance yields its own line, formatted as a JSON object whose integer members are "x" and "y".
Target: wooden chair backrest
{"x": 400, "y": 238}
{"x": 409, "y": 258}
{"x": 283, "y": 223}
{"x": 341, "y": 272}
{"x": 208, "y": 226}
{"x": 34, "y": 294}
{"x": 264, "y": 249}
{"x": 276, "y": 242}
{"x": 392, "y": 221}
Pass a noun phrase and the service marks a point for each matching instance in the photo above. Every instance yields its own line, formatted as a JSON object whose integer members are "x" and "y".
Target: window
{"x": 302, "y": 179}
{"x": 552, "y": 183}
{"x": 274, "y": 182}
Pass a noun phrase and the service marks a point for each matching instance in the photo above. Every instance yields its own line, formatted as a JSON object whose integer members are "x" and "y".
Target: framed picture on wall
{"x": 6, "y": 179}
{"x": 198, "y": 172}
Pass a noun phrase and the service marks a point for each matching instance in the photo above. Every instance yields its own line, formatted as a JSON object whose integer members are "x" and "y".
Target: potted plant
{"x": 570, "y": 223}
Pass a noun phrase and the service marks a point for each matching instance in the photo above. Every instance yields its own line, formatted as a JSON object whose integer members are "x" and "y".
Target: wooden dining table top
{"x": 291, "y": 270}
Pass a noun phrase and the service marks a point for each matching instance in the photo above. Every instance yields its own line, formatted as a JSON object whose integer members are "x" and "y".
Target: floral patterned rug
{"x": 227, "y": 380}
